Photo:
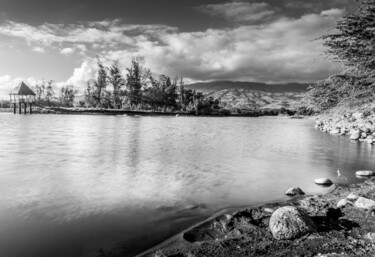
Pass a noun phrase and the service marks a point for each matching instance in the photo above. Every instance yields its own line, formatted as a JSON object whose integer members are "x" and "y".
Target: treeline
{"x": 46, "y": 95}
{"x": 140, "y": 90}
{"x": 352, "y": 43}
{"x": 137, "y": 90}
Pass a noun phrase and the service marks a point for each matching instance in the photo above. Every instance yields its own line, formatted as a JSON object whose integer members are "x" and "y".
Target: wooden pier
{"x": 22, "y": 97}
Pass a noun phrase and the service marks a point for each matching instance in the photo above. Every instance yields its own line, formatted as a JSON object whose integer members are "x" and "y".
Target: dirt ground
{"x": 344, "y": 231}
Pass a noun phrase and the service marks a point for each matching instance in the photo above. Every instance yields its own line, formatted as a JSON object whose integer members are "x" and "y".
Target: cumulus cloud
{"x": 82, "y": 75}
{"x": 281, "y": 50}
{"x": 38, "y": 49}
{"x": 239, "y": 11}
{"x": 67, "y": 51}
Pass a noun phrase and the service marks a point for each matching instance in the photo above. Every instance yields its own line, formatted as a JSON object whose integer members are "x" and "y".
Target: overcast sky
{"x": 201, "y": 40}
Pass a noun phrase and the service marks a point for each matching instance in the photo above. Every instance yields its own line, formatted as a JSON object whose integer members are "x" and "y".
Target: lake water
{"x": 73, "y": 186}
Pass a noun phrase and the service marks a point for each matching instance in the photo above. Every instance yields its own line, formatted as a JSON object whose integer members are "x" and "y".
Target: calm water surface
{"x": 74, "y": 186}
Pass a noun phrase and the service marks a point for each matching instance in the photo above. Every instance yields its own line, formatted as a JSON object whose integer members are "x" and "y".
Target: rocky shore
{"x": 340, "y": 223}
{"x": 358, "y": 125}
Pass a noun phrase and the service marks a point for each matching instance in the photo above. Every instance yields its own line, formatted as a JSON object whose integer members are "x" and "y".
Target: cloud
{"x": 333, "y": 12}
{"x": 89, "y": 33}
{"x": 282, "y": 49}
{"x": 239, "y": 11}
{"x": 38, "y": 49}
{"x": 67, "y": 51}
{"x": 83, "y": 74}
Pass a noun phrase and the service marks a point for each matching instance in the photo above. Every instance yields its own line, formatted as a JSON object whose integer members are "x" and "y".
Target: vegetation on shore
{"x": 137, "y": 90}
{"x": 350, "y": 42}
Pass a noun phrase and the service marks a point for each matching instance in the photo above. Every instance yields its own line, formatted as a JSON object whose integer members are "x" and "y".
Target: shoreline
{"x": 101, "y": 111}
{"x": 244, "y": 231}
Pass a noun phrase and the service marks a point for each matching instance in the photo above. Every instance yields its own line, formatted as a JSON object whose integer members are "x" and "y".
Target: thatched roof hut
{"x": 22, "y": 89}
{"x": 22, "y": 93}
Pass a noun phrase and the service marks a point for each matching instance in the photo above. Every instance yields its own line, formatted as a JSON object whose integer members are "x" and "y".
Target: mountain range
{"x": 253, "y": 95}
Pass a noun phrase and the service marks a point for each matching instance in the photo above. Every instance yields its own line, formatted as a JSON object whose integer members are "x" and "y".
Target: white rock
{"x": 357, "y": 115}
{"x": 352, "y": 197}
{"x": 355, "y": 134}
{"x": 364, "y": 203}
{"x": 370, "y": 236}
{"x": 343, "y": 202}
{"x": 323, "y": 181}
{"x": 269, "y": 210}
{"x": 365, "y": 173}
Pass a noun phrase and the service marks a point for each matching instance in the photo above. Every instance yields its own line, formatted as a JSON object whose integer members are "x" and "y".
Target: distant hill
{"x": 252, "y": 95}
{"x": 221, "y": 85}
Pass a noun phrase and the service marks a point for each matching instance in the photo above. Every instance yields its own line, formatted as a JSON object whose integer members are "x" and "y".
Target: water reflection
{"x": 71, "y": 185}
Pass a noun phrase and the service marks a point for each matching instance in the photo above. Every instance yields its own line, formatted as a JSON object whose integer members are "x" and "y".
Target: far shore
{"x": 341, "y": 230}
{"x": 103, "y": 111}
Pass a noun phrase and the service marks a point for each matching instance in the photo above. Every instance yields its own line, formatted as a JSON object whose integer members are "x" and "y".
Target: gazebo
{"x": 22, "y": 94}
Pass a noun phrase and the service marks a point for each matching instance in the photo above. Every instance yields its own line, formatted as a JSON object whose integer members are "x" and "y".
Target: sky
{"x": 271, "y": 41}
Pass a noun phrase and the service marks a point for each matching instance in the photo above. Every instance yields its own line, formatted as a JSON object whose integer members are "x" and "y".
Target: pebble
{"x": 294, "y": 191}
{"x": 365, "y": 173}
{"x": 323, "y": 181}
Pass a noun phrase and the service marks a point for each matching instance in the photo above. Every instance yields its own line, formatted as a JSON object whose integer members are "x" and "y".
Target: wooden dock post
{"x": 20, "y": 108}
{"x": 24, "y": 107}
{"x": 14, "y": 108}
{"x": 31, "y": 109}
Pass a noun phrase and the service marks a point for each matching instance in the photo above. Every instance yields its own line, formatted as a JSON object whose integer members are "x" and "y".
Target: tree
{"x": 133, "y": 82}
{"x": 351, "y": 42}
{"x": 68, "y": 94}
{"x": 101, "y": 83}
{"x": 49, "y": 94}
{"x": 39, "y": 89}
{"x": 137, "y": 79}
{"x": 117, "y": 81}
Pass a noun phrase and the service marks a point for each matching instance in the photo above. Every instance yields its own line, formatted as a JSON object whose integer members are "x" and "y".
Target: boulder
{"x": 343, "y": 203}
{"x": 364, "y": 203}
{"x": 355, "y": 134}
{"x": 290, "y": 222}
{"x": 365, "y": 173}
{"x": 294, "y": 191}
{"x": 323, "y": 181}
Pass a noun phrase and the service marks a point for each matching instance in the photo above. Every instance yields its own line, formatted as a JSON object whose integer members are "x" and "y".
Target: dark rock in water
{"x": 290, "y": 222}
{"x": 365, "y": 173}
{"x": 294, "y": 191}
{"x": 323, "y": 181}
